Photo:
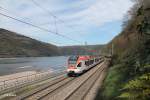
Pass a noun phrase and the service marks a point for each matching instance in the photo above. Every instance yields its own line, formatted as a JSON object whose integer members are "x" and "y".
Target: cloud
{"x": 102, "y": 11}
{"x": 82, "y": 15}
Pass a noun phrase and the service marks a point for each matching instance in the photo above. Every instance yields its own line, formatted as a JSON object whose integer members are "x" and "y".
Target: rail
{"x": 65, "y": 88}
{"x": 14, "y": 83}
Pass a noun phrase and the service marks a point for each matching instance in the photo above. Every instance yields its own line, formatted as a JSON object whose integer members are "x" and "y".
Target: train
{"x": 80, "y": 64}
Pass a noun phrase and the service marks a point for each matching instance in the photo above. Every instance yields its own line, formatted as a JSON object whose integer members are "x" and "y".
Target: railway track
{"x": 82, "y": 91}
{"x": 42, "y": 93}
{"x": 67, "y": 88}
{"x": 55, "y": 80}
{"x": 80, "y": 85}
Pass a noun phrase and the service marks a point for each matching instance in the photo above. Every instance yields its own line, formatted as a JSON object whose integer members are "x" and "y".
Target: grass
{"x": 112, "y": 84}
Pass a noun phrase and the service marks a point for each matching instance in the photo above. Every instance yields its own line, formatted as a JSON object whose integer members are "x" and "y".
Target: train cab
{"x": 76, "y": 65}
{"x": 72, "y": 65}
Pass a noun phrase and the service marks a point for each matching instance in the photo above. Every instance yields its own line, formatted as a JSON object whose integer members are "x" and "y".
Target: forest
{"x": 128, "y": 77}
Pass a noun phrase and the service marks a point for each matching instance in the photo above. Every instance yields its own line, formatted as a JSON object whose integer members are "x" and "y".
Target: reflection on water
{"x": 13, "y": 65}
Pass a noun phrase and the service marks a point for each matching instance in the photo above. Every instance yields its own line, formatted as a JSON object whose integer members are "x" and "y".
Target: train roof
{"x": 84, "y": 57}
{"x": 81, "y": 57}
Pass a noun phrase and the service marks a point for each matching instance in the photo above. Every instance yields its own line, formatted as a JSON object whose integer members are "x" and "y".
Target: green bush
{"x": 139, "y": 87}
{"x": 113, "y": 83}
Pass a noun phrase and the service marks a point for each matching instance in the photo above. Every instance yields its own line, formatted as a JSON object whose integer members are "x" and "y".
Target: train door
{"x": 80, "y": 66}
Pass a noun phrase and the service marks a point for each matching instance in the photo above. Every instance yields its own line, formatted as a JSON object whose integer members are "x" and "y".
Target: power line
{"x": 56, "y": 33}
{"x": 38, "y": 27}
{"x": 49, "y": 12}
{"x": 16, "y": 14}
{"x": 38, "y": 5}
{"x": 42, "y": 29}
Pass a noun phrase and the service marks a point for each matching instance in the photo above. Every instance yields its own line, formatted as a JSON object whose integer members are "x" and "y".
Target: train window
{"x": 79, "y": 65}
{"x": 72, "y": 62}
{"x": 96, "y": 60}
{"x": 91, "y": 62}
{"x": 72, "y": 59}
{"x": 87, "y": 63}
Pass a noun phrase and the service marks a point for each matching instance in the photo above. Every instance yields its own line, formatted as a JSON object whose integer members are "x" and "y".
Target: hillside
{"x": 129, "y": 76}
{"x": 15, "y": 45}
{"x": 80, "y": 50}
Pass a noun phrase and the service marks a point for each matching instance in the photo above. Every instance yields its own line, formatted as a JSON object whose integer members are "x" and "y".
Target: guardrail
{"x": 12, "y": 84}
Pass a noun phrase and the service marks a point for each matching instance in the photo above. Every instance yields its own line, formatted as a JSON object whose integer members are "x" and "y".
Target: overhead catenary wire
{"x": 26, "y": 18}
{"x": 16, "y": 14}
{"x": 36, "y": 26}
{"x": 56, "y": 33}
{"x": 4, "y": 9}
{"x": 30, "y": 24}
{"x": 49, "y": 12}
{"x": 41, "y": 28}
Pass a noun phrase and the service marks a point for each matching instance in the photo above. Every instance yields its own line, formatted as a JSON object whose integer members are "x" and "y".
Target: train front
{"x": 72, "y": 66}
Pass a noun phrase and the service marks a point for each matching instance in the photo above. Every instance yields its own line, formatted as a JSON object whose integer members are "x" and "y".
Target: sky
{"x": 90, "y": 21}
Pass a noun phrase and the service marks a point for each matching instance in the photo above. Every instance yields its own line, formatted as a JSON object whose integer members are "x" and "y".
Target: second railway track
{"x": 67, "y": 88}
{"x": 80, "y": 92}
{"x": 79, "y": 87}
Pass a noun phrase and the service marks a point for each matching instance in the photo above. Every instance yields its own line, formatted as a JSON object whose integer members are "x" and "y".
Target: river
{"x": 14, "y": 65}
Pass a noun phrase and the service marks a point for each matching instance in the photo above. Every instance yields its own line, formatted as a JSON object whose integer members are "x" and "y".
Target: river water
{"x": 14, "y": 65}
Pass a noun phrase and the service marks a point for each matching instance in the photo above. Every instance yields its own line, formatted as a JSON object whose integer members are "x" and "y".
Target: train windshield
{"x": 72, "y": 59}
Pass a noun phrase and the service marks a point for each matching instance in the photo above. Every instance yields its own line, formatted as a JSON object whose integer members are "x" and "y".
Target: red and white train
{"x": 79, "y": 64}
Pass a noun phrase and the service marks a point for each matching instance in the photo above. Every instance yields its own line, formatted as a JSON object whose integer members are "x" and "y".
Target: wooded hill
{"x": 15, "y": 45}
{"x": 129, "y": 76}
{"x": 81, "y": 50}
